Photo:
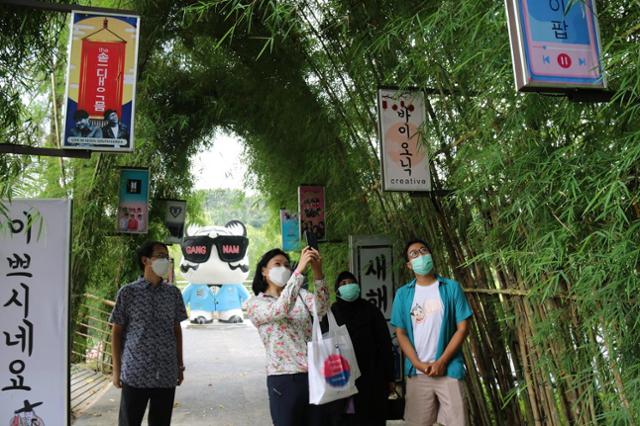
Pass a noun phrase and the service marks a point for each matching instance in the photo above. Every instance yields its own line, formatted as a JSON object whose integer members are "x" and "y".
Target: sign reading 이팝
{"x": 555, "y": 44}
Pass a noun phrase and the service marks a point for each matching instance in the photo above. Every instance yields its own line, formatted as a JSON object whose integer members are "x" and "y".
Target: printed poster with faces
{"x": 405, "y": 164}
{"x": 34, "y": 312}
{"x": 174, "y": 219}
{"x": 133, "y": 209}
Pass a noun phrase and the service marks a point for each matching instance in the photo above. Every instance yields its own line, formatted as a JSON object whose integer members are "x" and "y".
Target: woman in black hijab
{"x": 372, "y": 344}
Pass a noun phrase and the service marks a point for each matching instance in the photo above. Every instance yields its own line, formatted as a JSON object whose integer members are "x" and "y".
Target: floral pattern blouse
{"x": 284, "y": 323}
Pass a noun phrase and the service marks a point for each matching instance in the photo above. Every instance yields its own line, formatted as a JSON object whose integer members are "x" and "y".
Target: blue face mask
{"x": 422, "y": 265}
{"x": 349, "y": 292}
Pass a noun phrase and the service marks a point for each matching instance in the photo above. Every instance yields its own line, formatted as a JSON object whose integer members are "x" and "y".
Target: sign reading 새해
{"x": 555, "y": 44}
{"x": 34, "y": 312}
{"x": 101, "y": 82}
{"x": 405, "y": 165}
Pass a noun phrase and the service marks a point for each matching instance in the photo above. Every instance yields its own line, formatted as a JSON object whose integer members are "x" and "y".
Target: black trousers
{"x": 133, "y": 404}
{"x": 289, "y": 401}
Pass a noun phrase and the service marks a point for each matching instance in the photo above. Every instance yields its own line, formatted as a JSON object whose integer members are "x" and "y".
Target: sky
{"x": 221, "y": 166}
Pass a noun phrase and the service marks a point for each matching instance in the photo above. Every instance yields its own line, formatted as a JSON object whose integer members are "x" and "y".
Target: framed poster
{"x": 290, "y": 230}
{"x": 311, "y": 203}
{"x": 175, "y": 212}
{"x": 555, "y": 44}
{"x": 405, "y": 164}
{"x": 101, "y": 82}
{"x": 34, "y": 312}
{"x": 133, "y": 207}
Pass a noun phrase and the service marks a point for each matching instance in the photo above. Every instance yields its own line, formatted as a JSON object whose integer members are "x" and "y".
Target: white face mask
{"x": 160, "y": 267}
{"x": 279, "y": 275}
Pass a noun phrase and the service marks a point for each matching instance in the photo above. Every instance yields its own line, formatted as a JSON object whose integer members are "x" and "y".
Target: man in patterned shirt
{"x": 147, "y": 340}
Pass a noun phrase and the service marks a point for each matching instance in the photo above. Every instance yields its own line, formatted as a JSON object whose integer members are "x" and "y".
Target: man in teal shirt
{"x": 431, "y": 318}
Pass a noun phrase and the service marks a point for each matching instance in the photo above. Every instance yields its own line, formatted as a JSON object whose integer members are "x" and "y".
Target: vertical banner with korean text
{"x": 405, "y": 164}
{"x": 311, "y": 203}
{"x": 371, "y": 261}
{"x": 101, "y": 82}
{"x": 175, "y": 212}
{"x": 555, "y": 44}
{"x": 133, "y": 207}
{"x": 290, "y": 230}
{"x": 34, "y": 312}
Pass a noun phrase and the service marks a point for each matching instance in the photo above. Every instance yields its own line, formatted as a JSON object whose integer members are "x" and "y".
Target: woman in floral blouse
{"x": 281, "y": 311}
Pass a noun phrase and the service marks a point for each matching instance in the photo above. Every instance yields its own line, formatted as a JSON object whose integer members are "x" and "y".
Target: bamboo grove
{"x": 541, "y": 223}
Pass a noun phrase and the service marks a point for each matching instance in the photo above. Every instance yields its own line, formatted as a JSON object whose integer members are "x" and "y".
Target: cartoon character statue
{"x": 215, "y": 256}
{"x": 26, "y": 416}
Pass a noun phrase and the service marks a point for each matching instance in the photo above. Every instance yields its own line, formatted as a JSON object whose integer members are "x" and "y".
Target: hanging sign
{"x": 133, "y": 211}
{"x": 174, "y": 219}
{"x": 290, "y": 230}
{"x": 101, "y": 82}
{"x": 312, "y": 207}
{"x": 405, "y": 165}
{"x": 555, "y": 44}
{"x": 34, "y": 312}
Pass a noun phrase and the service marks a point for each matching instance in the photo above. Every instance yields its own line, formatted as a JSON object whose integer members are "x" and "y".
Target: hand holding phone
{"x": 311, "y": 239}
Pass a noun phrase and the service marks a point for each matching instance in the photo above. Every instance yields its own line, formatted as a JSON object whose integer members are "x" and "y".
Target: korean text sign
{"x": 101, "y": 82}
{"x": 34, "y": 311}
{"x": 375, "y": 275}
{"x": 555, "y": 44}
{"x": 133, "y": 209}
{"x": 405, "y": 164}
{"x": 312, "y": 210}
{"x": 290, "y": 230}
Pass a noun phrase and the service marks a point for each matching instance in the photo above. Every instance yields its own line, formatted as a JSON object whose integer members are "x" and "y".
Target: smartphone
{"x": 311, "y": 239}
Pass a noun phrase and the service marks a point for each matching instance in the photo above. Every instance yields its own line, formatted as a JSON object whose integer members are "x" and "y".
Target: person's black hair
{"x": 259, "y": 284}
{"x": 108, "y": 112}
{"x": 80, "y": 115}
{"x": 342, "y": 276}
{"x": 146, "y": 250}
{"x": 410, "y": 243}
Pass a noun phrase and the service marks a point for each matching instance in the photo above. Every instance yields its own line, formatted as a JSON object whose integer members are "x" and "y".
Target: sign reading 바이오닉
{"x": 555, "y": 44}
{"x": 34, "y": 312}
{"x": 101, "y": 82}
{"x": 405, "y": 164}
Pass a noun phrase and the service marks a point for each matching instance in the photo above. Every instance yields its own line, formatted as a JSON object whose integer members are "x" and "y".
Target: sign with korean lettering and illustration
{"x": 290, "y": 230}
{"x": 311, "y": 203}
{"x": 174, "y": 217}
{"x": 405, "y": 164}
{"x": 34, "y": 312}
{"x": 101, "y": 82}
{"x": 133, "y": 207}
{"x": 555, "y": 44}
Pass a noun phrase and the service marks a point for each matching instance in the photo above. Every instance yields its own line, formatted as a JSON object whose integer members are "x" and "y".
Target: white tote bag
{"x": 333, "y": 368}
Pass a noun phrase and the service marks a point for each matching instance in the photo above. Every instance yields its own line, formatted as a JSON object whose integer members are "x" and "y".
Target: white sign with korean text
{"x": 34, "y": 311}
{"x": 405, "y": 164}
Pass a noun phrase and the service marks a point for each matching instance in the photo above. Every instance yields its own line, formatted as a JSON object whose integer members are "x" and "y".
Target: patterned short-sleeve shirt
{"x": 284, "y": 323}
{"x": 148, "y": 315}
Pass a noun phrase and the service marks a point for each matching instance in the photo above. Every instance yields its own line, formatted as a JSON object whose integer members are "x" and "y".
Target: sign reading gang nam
{"x": 101, "y": 82}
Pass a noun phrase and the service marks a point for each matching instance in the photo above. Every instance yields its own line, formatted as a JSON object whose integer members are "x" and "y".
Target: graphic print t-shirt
{"x": 427, "y": 313}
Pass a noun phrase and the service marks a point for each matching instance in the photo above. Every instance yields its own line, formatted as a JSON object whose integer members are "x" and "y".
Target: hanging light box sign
{"x": 311, "y": 205}
{"x": 405, "y": 164}
{"x": 133, "y": 205}
{"x": 290, "y": 230}
{"x": 175, "y": 213}
{"x": 101, "y": 82}
{"x": 555, "y": 45}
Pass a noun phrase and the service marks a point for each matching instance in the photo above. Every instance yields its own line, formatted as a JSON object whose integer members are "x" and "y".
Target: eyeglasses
{"x": 161, "y": 256}
{"x": 231, "y": 248}
{"x": 415, "y": 253}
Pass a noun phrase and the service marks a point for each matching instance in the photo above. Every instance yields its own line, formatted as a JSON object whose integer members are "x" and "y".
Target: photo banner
{"x": 174, "y": 219}
{"x": 101, "y": 82}
{"x": 311, "y": 203}
{"x": 290, "y": 230}
{"x": 133, "y": 207}
{"x": 555, "y": 44}
{"x": 405, "y": 164}
{"x": 34, "y": 312}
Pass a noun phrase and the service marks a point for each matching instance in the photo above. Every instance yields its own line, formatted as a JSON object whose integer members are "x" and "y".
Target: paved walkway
{"x": 225, "y": 381}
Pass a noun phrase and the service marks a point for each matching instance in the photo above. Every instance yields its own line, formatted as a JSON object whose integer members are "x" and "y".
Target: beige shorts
{"x": 431, "y": 399}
